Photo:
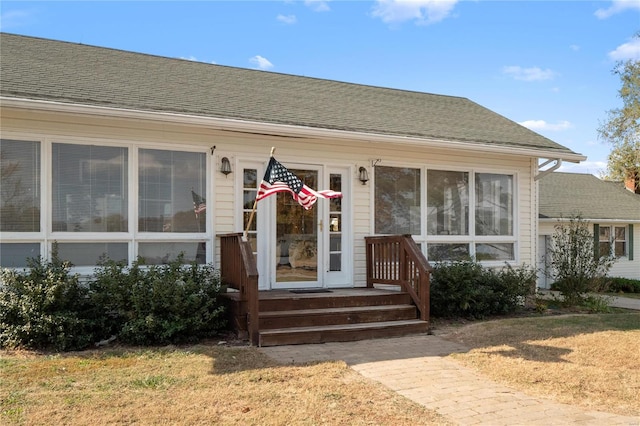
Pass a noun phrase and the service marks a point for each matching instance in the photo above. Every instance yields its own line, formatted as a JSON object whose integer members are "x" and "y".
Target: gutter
{"x": 543, "y": 173}
{"x": 226, "y": 124}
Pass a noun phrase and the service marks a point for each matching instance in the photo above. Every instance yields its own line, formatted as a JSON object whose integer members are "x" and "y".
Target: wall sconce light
{"x": 225, "y": 166}
{"x": 363, "y": 175}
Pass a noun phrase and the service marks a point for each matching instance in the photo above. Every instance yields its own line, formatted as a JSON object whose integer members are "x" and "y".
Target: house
{"x": 112, "y": 152}
{"x": 611, "y": 209}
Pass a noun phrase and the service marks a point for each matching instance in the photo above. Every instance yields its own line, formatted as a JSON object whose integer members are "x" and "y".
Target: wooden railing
{"x": 397, "y": 260}
{"x": 238, "y": 270}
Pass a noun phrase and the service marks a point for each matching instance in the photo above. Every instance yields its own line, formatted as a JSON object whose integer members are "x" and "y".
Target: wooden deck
{"x": 269, "y": 318}
{"x": 347, "y": 314}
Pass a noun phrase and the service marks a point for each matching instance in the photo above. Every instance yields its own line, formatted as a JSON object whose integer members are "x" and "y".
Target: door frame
{"x": 266, "y": 226}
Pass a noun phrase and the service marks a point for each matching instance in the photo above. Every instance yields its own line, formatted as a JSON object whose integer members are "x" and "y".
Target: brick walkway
{"x": 416, "y": 368}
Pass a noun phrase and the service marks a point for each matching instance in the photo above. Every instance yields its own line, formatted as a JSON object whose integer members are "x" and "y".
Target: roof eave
{"x": 281, "y": 129}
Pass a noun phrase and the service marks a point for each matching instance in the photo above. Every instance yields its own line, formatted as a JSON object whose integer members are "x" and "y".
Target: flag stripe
{"x": 278, "y": 178}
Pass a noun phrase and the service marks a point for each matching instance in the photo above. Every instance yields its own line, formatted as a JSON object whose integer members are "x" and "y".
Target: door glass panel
{"x": 335, "y": 224}
{"x": 296, "y": 253}
{"x": 250, "y": 188}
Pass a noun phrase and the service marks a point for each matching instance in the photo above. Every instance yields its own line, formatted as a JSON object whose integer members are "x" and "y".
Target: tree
{"x": 622, "y": 127}
{"x": 576, "y": 266}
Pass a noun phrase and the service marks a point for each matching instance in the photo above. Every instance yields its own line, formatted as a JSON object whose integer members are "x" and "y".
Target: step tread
{"x": 342, "y": 327}
{"x": 321, "y": 311}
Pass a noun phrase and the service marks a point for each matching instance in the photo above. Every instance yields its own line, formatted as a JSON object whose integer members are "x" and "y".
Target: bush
{"x": 576, "y": 269}
{"x": 162, "y": 304}
{"x": 47, "y": 307}
{"x": 44, "y": 306}
{"x": 623, "y": 285}
{"x": 467, "y": 289}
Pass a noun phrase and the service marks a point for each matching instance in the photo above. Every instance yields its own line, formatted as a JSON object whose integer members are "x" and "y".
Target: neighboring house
{"x": 613, "y": 213}
{"x": 128, "y": 154}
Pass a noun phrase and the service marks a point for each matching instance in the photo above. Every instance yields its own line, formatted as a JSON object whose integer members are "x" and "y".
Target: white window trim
{"x": 46, "y": 237}
{"x": 424, "y": 239}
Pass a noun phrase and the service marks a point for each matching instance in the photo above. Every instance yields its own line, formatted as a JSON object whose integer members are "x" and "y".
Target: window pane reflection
{"x": 169, "y": 182}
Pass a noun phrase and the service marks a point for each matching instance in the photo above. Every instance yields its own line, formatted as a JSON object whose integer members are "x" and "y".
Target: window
{"x": 443, "y": 251}
{"x": 459, "y": 224}
{"x": 89, "y": 188}
{"x": 397, "y": 200}
{"x": 88, "y": 254}
{"x": 161, "y": 253}
{"x": 447, "y": 203}
{"x": 19, "y": 186}
{"x": 169, "y": 182}
{"x": 15, "y": 255}
{"x": 613, "y": 240}
{"x": 88, "y": 192}
{"x": 605, "y": 241}
{"x": 494, "y": 204}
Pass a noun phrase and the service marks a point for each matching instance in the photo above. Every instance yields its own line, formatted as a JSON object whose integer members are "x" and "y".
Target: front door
{"x": 294, "y": 247}
{"x": 297, "y": 246}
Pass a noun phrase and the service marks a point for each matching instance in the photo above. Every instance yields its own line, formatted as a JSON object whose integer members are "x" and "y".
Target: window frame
{"x": 471, "y": 240}
{"x": 613, "y": 240}
{"x": 46, "y": 237}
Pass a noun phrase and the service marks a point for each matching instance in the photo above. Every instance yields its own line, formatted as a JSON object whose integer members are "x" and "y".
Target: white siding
{"x": 221, "y": 200}
{"x": 623, "y": 267}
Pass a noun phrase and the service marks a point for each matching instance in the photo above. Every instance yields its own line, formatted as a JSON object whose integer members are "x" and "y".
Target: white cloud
{"x": 424, "y": 12}
{"x": 287, "y": 19}
{"x": 14, "y": 18}
{"x": 318, "y": 5}
{"x": 627, "y": 51}
{"x": 574, "y": 47}
{"x": 528, "y": 74}
{"x": 261, "y": 63}
{"x": 617, "y": 6}
{"x": 543, "y": 125}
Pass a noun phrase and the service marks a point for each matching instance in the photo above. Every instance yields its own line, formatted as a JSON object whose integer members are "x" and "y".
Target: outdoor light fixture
{"x": 225, "y": 166}
{"x": 364, "y": 175}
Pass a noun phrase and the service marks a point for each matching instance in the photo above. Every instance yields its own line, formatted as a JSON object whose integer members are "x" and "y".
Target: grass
{"x": 585, "y": 360}
{"x": 202, "y": 384}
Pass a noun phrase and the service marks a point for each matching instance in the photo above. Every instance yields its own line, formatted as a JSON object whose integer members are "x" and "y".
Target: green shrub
{"x": 467, "y": 289}
{"x": 623, "y": 285}
{"x": 160, "y": 304}
{"x": 44, "y": 307}
{"x": 576, "y": 270}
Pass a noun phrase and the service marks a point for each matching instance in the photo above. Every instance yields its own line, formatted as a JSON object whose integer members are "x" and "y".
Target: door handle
{"x": 320, "y": 225}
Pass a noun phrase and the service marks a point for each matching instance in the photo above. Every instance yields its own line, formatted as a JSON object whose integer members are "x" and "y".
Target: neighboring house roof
{"x": 48, "y": 70}
{"x": 563, "y": 195}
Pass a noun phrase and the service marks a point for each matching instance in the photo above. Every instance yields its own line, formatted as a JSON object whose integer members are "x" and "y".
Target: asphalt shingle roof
{"x": 563, "y": 195}
{"x": 42, "y": 69}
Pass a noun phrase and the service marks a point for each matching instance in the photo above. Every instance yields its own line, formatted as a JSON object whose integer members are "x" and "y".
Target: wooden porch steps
{"x": 341, "y": 332}
{"x": 336, "y": 316}
{"x": 342, "y": 315}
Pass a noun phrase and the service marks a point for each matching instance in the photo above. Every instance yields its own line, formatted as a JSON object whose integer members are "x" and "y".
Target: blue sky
{"x": 545, "y": 64}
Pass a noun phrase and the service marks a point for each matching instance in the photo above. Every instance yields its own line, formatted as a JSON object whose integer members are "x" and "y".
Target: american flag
{"x": 199, "y": 203}
{"x": 278, "y": 178}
